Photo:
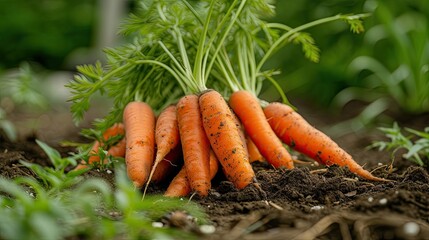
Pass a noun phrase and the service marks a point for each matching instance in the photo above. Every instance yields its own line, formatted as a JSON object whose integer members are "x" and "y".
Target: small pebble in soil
{"x": 317, "y": 208}
{"x": 108, "y": 171}
{"x": 207, "y": 229}
{"x": 215, "y": 194}
{"x": 383, "y": 201}
{"x": 370, "y": 199}
{"x": 411, "y": 229}
{"x": 157, "y": 224}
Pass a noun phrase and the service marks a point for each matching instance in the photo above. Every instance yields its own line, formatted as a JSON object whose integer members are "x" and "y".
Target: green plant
{"x": 305, "y": 80}
{"x": 7, "y": 126}
{"x": 21, "y": 88}
{"x": 58, "y": 205}
{"x": 416, "y": 144}
{"x": 395, "y": 72}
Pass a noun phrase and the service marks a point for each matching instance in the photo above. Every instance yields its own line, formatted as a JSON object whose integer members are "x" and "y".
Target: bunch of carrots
{"x": 205, "y": 129}
{"x": 224, "y": 127}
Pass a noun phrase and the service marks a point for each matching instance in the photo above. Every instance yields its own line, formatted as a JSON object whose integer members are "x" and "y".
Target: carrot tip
{"x": 137, "y": 184}
{"x": 381, "y": 179}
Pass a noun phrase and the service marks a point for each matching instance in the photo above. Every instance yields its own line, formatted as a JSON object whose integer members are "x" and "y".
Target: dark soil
{"x": 308, "y": 202}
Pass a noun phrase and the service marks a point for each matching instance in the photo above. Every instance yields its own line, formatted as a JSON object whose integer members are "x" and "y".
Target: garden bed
{"x": 307, "y": 202}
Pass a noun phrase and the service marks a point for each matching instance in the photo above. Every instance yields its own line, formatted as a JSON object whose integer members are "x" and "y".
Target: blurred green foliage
{"x": 404, "y": 42}
{"x": 44, "y": 31}
{"x": 20, "y": 87}
{"x": 56, "y": 204}
{"x": 318, "y": 82}
{"x": 395, "y": 66}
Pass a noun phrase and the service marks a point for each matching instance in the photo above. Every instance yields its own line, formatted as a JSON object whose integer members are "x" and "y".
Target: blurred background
{"x": 378, "y": 76}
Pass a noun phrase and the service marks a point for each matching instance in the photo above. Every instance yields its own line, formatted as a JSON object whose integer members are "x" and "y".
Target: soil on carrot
{"x": 308, "y": 202}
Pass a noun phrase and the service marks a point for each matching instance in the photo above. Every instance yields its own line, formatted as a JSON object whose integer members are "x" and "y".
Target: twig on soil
{"x": 303, "y": 162}
{"x": 316, "y": 171}
{"x": 345, "y": 232}
{"x": 350, "y": 226}
{"x": 380, "y": 167}
{"x": 362, "y": 226}
{"x": 274, "y": 205}
{"x": 259, "y": 223}
{"x": 351, "y": 179}
{"x": 242, "y": 227}
{"x": 320, "y": 227}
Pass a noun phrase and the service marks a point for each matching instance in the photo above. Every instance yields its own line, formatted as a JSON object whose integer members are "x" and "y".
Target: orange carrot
{"x": 139, "y": 122}
{"x": 117, "y": 150}
{"x": 168, "y": 165}
{"x": 254, "y": 154}
{"x": 113, "y": 131}
{"x": 296, "y": 132}
{"x": 195, "y": 145}
{"x": 179, "y": 186}
{"x": 251, "y": 114}
{"x": 225, "y": 140}
{"x": 166, "y": 137}
{"x": 241, "y": 131}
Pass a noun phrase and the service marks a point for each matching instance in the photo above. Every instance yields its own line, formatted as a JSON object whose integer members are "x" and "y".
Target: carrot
{"x": 179, "y": 186}
{"x": 296, "y": 132}
{"x": 195, "y": 145}
{"x": 117, "y": 150}
{"x": 225, "y": 140}
{"x": 166, "y": 137}
{"x": 241, "y": 131}
{"x": 168, "y": 165}
{"x": 254, "y": 154}
{"x": 139, "y": 122}
{"x": 113, "y": 131}
{"x": 251, "y": 114}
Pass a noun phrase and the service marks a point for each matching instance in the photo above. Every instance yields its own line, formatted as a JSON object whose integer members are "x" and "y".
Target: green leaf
{"x": 53, "y": 155}
{"x": 311, "y": 51}
{"x": 16, "y": 191}
{"x": 417, "y": 150}
{"x": 45, "y": 226}
{"x": 9, "y": 129}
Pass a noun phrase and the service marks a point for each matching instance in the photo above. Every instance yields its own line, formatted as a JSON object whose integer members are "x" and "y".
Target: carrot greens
{"x": 124, "y": 78}
{"x": 182, "y": 47}
{"x": 241, "y": 65}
